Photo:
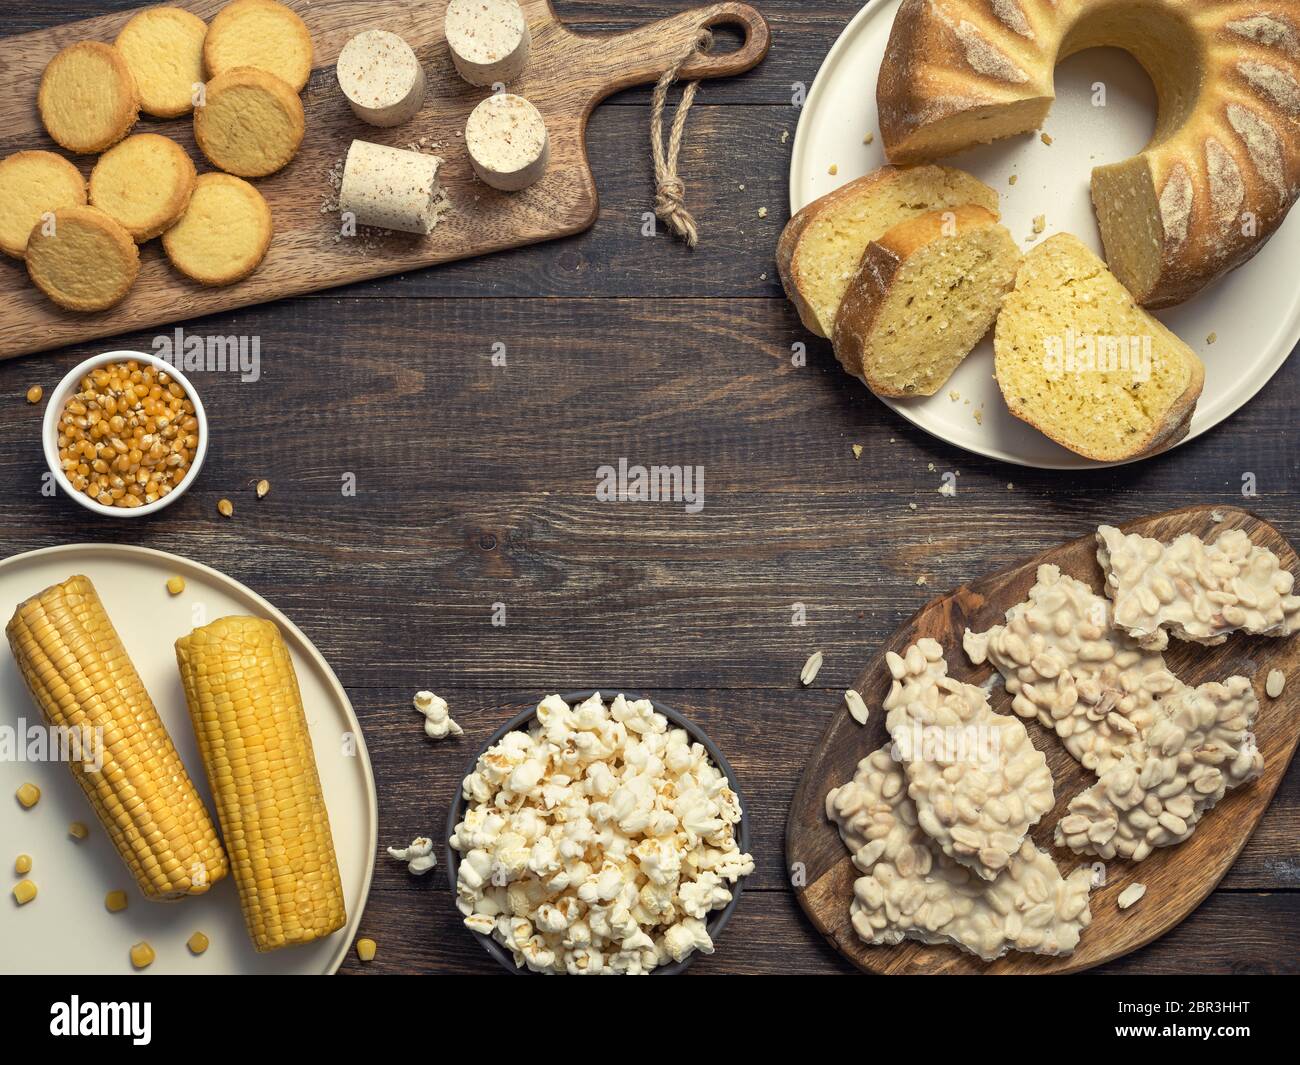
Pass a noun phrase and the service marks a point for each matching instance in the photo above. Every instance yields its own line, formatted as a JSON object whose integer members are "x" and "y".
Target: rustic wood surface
{"x": 1177, "y": 878}
{"x": 568, "y": 74}
{"x": 476, "y": 485}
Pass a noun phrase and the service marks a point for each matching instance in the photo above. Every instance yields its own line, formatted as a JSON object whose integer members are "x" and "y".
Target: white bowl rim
{"x": 54, "y": 410}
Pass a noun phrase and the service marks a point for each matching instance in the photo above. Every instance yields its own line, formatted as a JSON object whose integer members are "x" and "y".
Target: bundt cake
{"x": 1077, "y": 359}
{"x": 1223, "y": 166}
{"x": 822, "y": 245}
{"x": 925, "y": 293}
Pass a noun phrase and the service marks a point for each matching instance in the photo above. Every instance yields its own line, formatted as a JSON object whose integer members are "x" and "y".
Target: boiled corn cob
{"x": 78, "y": 672}
{"x": 248, "y": 715}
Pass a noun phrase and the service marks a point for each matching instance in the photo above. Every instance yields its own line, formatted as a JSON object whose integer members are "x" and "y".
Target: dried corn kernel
{"x": 128, "y": 436}
{"x": 175, "y": 585}
{"x": 225, "y": 508}
{"x": 115, "y": 901}
{"x": 263, "y": 487}
{"x": 77, "y": 830}
{"x": 366, "y": 949}
{"x": 197, "y": 943}
{"x": 142, "y": 955}
{"x": 35, "y": 394}
{"x": 23, "y": 864}
{"x": 29, "y": 795}
{"x": 24, "y": 892}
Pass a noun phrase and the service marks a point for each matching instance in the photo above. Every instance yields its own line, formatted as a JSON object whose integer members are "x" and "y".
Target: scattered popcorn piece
{"x": 911, "y": 506}
{"x": 197, "y": 943}
{"x": 35, "y": 394}
{"x": 597, "y": 841}
{"x": 115, "y": 901}
{"x": 175, "y": 585}
{"x": 24, "y": 892}
{"x": 785, "y": 135}
{"x": 857, "y": 451}
{"x": 922, "y": 581}
{"x": 857, "y": 706}
{"x": 438, "y": 723}
{"x": 811, "y": 668}
{"x": 1040, "y": 223}
{"x": 762, "y": 212}
{"x": 225, "y": 508}
{"x": 1217, "y": 516}
{"x": 263, "y": 488}
{"x": 1130, "y": 895}
{"x": 28, "y": 795}
{"x": 1274, "y": 684}
{"x": 366, "y": 949}
{"x": 78, "y": 831}
{"x": 948, "y": 488}
{"x": 419, "y": 856}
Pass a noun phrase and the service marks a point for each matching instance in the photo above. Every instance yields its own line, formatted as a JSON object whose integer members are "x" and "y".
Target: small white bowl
{"x": 69, "y": 386}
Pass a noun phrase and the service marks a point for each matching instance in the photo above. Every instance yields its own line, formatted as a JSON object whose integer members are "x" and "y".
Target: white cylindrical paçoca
{"x": 391, "y": 188}
{"x": 488, "y": 39}
{"x": 507, "y": 142}
{"x": 381, "y": 78}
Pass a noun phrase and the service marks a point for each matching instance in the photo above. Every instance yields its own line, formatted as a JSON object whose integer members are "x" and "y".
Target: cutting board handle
{"x": 637, "y": 56}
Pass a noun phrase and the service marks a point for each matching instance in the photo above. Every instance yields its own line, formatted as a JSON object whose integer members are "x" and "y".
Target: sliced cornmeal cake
{"x": 924, "y": 294}
{"x": 822, "y": 245}
{"x": 1081, "y": 362}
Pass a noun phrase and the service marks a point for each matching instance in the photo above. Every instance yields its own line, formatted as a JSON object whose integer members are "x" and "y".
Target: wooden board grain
{"x": 1177, "y": 878}
{"x": 568, "y": 74}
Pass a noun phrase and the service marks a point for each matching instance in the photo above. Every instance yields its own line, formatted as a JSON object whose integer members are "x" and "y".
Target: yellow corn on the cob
{"x": 247, "y": 713}
{"x": 78, "y": 672}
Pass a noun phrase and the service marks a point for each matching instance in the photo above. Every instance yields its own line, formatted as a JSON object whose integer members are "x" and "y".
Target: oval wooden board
{"x": 1177, "y": 878}
{"x": 568, "y": 74}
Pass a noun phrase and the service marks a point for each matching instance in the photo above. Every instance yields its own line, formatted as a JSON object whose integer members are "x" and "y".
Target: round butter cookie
{"x": 87, "y": 262}
{"x": 163, "y": 46}
{"x": 261, "y": 34}
{"x": 224, "y": 234}
{"x": 31, "y": 185}
{"x": 144, "y": 184}
{"x": 251, "y": 123}
{"x": 88, "y": 100}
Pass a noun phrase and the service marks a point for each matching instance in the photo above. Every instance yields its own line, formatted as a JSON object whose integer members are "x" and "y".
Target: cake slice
{"x": 1081, "y": 362}
{"x": 822, "y": 245}
{"x": 924, "y": 294}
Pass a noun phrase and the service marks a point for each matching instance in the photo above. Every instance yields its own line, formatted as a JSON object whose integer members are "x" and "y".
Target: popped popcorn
{"x": 438, "y": 724}
{"x": 419, "y": 856}
{"x": 598, "y": 841}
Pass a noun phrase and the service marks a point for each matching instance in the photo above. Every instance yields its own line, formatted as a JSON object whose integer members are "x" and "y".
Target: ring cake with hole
{"x": 381, "y": 78}
{"x": 489, "y": 40}
{"x": 32, "y": 185}
{"x": 88, "y": 100}
{"x": 143, "y": 208}
{"x": 508, "y": 144}
{"x": 910, "y": 889}
{"x": 822, "y": 246}
{"x": 1222, "y": 168}
{"x": 163, "y": 46}
{"x": 391, "y": 188}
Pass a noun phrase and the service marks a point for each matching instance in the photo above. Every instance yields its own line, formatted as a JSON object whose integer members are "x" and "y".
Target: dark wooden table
{"x": 476, "y": 485}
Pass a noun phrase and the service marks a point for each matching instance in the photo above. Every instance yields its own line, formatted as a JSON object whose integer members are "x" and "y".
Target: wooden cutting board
{"x": 567, "y": 75}
{"x": 1177, "y": 878}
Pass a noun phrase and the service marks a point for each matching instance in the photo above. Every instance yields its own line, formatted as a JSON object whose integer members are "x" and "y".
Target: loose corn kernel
{"x": 29, "y": 795}
{"x": 115, "y": 901}
{"x": 263, "y": 487}
{"x": 23, "y": 864}
{"x": 35, "y": 394}
{"x": 366, "y": 949}
{"x": 225, "y": 508}
{"x": 24, "y": 892}
{"x": 175, "y": 585}
{"x": 197, "y": 943}
{"x": 77, "y": 830}
{"x": 142, "y": 955}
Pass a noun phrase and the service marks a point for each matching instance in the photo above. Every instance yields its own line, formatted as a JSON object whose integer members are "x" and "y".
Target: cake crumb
{"x": 1216, "y": 516}
{"x": 1040, "y": 223}
{"x": 857, "y": 451}
{"x": 1010, "y": 486}
{"x": 954, "y": 396}
{"x": 922, "y": 581}
{"x": 785, "y": 135}
{"x": 868, "y": 138}
{"x": 762, "y": 212}
{"x": 978, "y": 415}
{"x": 1012, "y": 179}
{"x": 1212, "y": 338}
{"x": 911, "y": 506}
{"x": 1046, "y": 138}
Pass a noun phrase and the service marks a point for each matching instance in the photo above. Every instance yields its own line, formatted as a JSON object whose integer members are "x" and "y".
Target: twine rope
{"x": 670, "y": 190}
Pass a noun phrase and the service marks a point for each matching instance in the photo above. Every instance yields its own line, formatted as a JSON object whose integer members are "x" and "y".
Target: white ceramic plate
{"x": 66, "y": 929}
{"x": 1254, "y": 311}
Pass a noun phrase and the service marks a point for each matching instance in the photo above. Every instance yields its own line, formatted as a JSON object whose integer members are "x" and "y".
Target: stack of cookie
{"x": 80, "y": 239}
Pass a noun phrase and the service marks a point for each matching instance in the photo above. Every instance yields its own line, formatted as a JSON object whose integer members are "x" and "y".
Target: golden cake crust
{"x": 225, "y": 233}
{"x": 251, "y": 123}
{"x": 144, "y": 183}
{"x": 87, "y": 99}
{"x": 31, "y": 185}
{"x": 163, "y": 46}
{"x": 261, "y": 34}
{"x": 88, "y": 262}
